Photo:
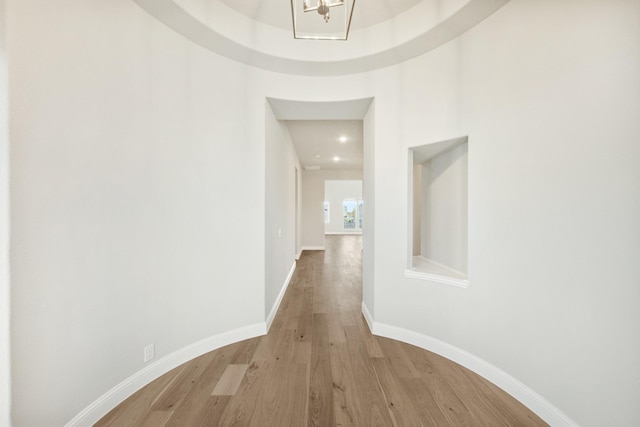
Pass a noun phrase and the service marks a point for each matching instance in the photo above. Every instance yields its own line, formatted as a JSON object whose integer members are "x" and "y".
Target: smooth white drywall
{"x": 137, "y": 199}
{"x": 369, "y": 226}
{"x": 5, "y": 366}
{"x": 280, "y": 198}
{"x": 312, "y": 203}
{"x": 312, "y": 210}
{"x": 133, "y": 149}
{"x": 550, "y": 105}
{"x": 335, "y": 192}
{"x": 443, "y": 231}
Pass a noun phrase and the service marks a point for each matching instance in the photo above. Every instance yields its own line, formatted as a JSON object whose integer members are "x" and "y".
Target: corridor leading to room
{"x": 320, "y": 366}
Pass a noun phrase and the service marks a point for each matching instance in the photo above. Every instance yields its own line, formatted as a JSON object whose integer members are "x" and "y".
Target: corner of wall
{"x": 283, "y": 290}
{"x": 367, "y": 316}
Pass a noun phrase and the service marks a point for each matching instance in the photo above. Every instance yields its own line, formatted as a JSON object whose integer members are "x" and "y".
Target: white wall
{"x": 280, "y": 226}
{"x": 312, "y": 203}
{"x": 137, "y": 199}
{"x": 550, "y": 105}
{"x": 132, "y": 148}
{"x": 5, "y": 367}
{"x": 335, "y": 192}
{"x": 369, "y": 225}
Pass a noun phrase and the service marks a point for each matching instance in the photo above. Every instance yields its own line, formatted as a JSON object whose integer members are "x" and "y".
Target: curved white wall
{"x": 137, "y": 199}
{"x": 5, "y": 366}
{"x": 129, "y": 144}
{"x": 549, "y": 95}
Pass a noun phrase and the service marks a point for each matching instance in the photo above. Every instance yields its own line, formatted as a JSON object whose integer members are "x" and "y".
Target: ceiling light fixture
{"x": 336, "y": 159}
{"x": 342, "y": 139}
{"x": 323, "y": 7}
{"x": 308, "y": 26}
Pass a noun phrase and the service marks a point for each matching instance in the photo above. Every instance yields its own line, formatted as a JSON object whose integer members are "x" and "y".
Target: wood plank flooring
{"x": 320, "y": 366}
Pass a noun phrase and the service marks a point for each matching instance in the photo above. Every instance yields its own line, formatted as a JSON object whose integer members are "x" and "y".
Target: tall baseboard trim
{"x": 532, "y": 400}
{"x": 342, "y": 232}
{"x": 313, "y": 248}
{"x": 276, "y": 305}
{"x": 99, "y": 408}
{"x": 367, "y": 316}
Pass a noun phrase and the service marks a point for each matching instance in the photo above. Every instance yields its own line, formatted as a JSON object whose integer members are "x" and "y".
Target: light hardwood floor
{"x": 320, "y": 366}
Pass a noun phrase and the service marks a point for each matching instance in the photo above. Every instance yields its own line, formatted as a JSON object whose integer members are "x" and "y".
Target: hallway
{"x": 320, "y": 366}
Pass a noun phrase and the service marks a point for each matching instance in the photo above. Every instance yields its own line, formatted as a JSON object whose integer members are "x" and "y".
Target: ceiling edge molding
{"x": 176, "y": 18}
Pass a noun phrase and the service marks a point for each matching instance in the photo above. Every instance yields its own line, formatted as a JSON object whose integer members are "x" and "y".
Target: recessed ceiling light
{"x": 317, "y": 156}
{"x": 336, "y": 159}
{"x": 342, "y": 139}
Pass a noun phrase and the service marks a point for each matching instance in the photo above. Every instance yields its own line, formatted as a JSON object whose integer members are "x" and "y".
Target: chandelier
{"x": 323, "y": 7}
{"x": 308, "y": 26}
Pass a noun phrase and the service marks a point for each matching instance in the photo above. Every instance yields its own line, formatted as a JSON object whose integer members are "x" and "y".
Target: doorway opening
{"x": 347, "y": 214}
{"x": 344, "y": 154}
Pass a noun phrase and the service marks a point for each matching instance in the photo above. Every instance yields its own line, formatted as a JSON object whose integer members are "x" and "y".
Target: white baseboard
{"x": 367, "y": 316}
{"x": 276, "y": 305}
{"x": 99, "y": 408}
{"x": 313, "y": 248}
{"x": 342, "y": 232}
{"x": 532, "y": 400}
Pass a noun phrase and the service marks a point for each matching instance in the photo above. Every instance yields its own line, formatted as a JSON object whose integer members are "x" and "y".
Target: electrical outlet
{"x": 149, "y": 352}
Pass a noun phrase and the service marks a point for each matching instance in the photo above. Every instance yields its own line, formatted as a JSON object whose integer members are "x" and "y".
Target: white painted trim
{"x": 446, "y": 267}
{"x": 313, "y": 248}
{"x": 367, "y": 316}
{"x": 276, "y": 305}
{"x": 99, "y": 408}
{"x": 299, "y": 254}
{"x": 414, "y": 274}
{"x": 543, "y": 408}
{"x": 343, "y": 232}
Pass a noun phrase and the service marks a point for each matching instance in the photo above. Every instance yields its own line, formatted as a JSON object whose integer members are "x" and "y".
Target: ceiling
{"x": 316, "y": 128}
{"x": 278, "y": 13}
{"x": 384, "y": 32}
{"x": 318, "y": 143}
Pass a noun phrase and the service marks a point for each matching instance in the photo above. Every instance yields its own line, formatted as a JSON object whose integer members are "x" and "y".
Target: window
{"x": 350, "y": 208}
{"x": 327, "y": 213}
{"x": 352, "y": 214}
{"x": 438, "y": 212}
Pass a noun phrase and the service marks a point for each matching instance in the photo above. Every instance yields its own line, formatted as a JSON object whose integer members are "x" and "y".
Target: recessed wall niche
{"x": 438, "y": 205}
